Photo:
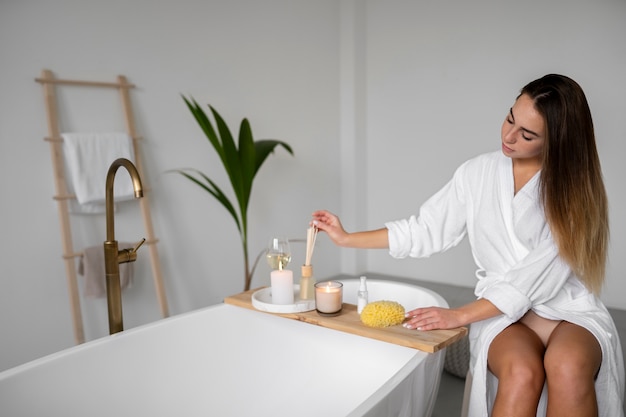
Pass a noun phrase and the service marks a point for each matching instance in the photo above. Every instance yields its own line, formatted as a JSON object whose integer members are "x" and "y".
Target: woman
{"x": 535, "y": 214}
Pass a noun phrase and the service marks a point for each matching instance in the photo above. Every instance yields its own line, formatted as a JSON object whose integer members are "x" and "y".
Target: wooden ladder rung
{"x": 79, "y": 254}
{"x": 146, "y": 190}
{"x": 60, "y": 140}
{"x": 83, "y": 83}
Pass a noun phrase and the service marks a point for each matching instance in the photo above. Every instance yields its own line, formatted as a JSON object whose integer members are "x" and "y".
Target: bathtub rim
{"x": 441, "y": 302}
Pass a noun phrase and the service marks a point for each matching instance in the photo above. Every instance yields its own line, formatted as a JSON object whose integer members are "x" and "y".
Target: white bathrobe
{"x": 518, "y": 269}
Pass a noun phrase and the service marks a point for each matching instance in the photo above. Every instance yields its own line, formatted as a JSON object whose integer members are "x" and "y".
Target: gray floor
{"x": 450, "y": 397}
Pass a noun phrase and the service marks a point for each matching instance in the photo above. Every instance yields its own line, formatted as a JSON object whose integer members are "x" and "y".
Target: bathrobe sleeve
{"x": 440, "y": 224}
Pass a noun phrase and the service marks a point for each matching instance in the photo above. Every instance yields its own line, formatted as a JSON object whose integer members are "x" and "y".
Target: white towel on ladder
{"x": 88, "y": 157}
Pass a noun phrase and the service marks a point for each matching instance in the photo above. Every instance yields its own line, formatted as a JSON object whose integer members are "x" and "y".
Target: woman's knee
{"x": 516, "y": 358}
{"x": 524, "y": 372}
{"x": 570, "y": 367}
{"x": 573, "y": 357}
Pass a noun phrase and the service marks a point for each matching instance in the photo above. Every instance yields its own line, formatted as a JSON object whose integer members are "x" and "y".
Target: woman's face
{"x": 523, "y": 131}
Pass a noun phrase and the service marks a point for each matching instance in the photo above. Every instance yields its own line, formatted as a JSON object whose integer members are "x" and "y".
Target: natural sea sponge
{"x": 382, "y": 314}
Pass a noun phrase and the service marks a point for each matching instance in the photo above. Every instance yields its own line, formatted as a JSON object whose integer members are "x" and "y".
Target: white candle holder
{"x": 328, "y": 298}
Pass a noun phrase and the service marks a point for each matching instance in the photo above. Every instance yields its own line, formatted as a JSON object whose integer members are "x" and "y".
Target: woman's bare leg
{"x": 516, "y": 359}
{"x": 572, "y": 360}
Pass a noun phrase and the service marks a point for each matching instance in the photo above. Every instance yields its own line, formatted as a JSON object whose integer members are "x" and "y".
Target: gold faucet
{"x": 113, "y": 257}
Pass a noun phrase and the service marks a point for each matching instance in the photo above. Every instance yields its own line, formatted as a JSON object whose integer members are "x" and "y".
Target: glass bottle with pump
{"x": 362, "y": 295}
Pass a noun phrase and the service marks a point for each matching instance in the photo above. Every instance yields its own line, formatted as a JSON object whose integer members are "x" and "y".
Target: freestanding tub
{"x": 229, "y": 361}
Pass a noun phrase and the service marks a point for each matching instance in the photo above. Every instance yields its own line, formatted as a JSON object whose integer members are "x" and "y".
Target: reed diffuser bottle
{"x": 307, "y": 282}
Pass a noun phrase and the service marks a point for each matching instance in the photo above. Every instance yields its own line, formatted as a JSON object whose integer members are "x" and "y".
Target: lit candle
{"x": 328, "y": 298}
{"x": 282, "y": 286}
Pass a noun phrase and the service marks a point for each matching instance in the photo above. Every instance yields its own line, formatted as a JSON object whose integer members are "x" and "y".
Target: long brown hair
{"x": 571, "y": 186}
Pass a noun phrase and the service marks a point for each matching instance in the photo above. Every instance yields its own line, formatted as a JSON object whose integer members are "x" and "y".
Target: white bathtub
{"x": 229, "y": 361}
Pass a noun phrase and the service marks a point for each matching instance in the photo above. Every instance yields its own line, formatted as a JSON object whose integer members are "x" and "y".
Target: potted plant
{"x": 241, "y": 162}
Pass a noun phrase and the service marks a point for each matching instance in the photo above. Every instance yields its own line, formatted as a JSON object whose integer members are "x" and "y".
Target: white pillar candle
{"x": 328, "y": 297}
{"x": 282, "y": 286}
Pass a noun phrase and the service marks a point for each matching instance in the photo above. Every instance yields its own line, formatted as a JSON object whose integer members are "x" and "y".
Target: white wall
{"x": 380, "y": 100}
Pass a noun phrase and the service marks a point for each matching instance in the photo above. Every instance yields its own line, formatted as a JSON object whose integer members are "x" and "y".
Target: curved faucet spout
{"x": 137, "y": 188}
{"x": 112, "y": 255}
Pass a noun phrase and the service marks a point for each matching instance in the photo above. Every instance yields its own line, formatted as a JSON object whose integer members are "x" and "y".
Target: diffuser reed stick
{"x": 311, "y": 235}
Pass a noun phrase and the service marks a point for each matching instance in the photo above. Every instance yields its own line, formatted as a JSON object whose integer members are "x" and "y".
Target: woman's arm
{"x": 330, "y": 223}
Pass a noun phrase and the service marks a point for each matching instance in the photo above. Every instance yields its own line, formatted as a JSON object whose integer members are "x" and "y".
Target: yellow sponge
{"x": 382, "y": 314}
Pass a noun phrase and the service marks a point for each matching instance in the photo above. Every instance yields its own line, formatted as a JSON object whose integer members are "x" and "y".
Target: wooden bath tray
{"x": 349, "y": 321}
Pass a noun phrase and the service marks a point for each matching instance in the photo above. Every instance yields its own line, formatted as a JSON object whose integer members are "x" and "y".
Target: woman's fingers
{"x": 430, "y": 318}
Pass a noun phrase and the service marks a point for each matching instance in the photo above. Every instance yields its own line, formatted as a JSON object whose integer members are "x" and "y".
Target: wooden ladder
{"x": 63, "y": 197}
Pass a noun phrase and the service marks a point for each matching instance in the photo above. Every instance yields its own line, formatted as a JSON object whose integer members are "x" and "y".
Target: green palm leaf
{"x": 214, "y": 190}
{"x": 247, "y": 158}
{"x": 265, "y": 147}
{"x": 231, "y": 158}
{"x": 206, "y": 126}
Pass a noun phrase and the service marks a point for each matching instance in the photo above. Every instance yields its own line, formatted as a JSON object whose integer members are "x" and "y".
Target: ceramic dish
{"x": 262, "y": 300}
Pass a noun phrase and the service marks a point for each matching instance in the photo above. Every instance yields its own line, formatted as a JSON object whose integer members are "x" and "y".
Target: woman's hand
{"x": 432, "y": 318}
{"x": 330, "y": 223}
